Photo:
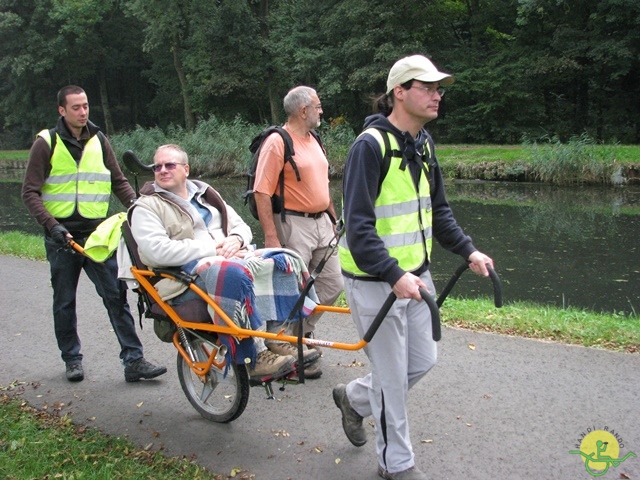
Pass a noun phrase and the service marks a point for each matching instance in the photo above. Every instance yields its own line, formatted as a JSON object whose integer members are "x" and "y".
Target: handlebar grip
{"x": 497, "y": 287}
{"x": 436, "y": 328}
{"x": 495, "y": 279}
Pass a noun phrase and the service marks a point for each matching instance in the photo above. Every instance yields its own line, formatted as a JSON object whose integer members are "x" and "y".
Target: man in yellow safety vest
{"x": 67, "y": 186}
{"x": 394, "y": 204}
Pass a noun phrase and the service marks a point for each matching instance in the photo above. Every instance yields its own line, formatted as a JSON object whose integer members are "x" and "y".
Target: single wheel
{"x": 216, "y": 397}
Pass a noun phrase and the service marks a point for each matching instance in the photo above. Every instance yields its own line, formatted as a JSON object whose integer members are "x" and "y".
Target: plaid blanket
{"x": 264, "y": 286}
{"x": 280, "y": 276}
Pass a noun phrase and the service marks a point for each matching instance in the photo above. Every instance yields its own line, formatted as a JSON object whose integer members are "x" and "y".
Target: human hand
{"x": 408, "y": 286}
{"x": 478, "y": 262}
{"x": 230, "y": 246}
{"x": 59, "y": 234}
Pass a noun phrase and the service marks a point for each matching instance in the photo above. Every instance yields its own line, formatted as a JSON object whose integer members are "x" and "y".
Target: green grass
{"x": 480, "y": 153}
{"x": 608, "y": 331}
{"x": 36, "y": 444}
{"x": 14, "y": 154}
{"x": 19, "y": 244}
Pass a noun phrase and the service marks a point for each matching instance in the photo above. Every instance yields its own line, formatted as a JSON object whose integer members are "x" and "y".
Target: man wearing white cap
{"x": 394, "y": 204}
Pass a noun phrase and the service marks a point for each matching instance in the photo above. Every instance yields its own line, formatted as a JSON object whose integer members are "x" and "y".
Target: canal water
{"x": 569, "y": 246}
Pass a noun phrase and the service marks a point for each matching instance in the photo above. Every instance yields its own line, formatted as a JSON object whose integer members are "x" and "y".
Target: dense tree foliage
{"x": 523, "y": 68}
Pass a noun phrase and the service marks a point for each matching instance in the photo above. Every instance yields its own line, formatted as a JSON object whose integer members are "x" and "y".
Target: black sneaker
{"x": 75, "y": 372}
{"x": 140, "y": 369}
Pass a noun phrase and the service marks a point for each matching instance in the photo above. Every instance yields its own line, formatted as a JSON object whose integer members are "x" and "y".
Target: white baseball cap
{"x": 416, "y": 67}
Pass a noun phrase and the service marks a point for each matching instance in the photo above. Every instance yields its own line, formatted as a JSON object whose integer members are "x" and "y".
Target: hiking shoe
{"x": 140, "y": 369}
{"x": 271, "y": 364}
{"x": 308, "y": 356}
{"x": 74, "y": 372}
{"x": 351, "y": 420}
{"x": 412, "y": 473}
{"x": 311, "y": 372}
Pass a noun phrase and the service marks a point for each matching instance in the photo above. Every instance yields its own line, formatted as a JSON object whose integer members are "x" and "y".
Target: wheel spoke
{"x": 217, "y": 397}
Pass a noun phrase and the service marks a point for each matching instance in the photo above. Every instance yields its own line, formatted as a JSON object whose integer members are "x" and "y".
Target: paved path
{"x": 494, "y": 407}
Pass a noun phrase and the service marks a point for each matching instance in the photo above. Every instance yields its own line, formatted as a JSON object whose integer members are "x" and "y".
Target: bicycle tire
{"x": 219, "y": 398}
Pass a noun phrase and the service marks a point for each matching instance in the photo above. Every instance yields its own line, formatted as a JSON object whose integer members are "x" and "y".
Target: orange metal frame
{"x": 230, "y": 328}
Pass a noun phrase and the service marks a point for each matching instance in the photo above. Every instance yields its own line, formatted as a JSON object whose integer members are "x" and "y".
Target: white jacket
{"x": 170, "y": 232}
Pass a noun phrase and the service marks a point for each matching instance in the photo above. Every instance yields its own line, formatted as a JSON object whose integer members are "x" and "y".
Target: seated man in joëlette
{"x": 185, "y": 223}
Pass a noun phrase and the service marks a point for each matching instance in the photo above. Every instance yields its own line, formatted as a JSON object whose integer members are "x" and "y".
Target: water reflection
{"x": 559, "y": 246}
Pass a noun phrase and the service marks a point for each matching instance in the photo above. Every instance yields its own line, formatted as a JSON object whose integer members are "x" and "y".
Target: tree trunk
{"x": 274, "y": 104}
{"x": 104, "y": 101}
{"x": 189, "y": 118}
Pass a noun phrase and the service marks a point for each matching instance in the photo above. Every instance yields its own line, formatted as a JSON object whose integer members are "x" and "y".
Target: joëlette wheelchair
{"x": 219, "y": 389}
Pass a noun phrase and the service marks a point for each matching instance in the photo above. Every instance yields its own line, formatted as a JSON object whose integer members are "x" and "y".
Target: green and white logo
{"x": 600, "y": 450}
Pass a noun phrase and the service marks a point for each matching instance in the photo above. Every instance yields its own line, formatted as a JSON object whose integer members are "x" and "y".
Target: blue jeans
{"x": 66, "y": 267}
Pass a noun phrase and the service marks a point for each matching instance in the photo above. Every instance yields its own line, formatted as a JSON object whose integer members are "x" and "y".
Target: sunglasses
{"x": 168, "y": 166}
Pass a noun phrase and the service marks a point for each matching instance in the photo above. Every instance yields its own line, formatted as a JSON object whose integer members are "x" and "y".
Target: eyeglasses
{"x": 430, "y": 90}
{"x": 169, "y": 166}
{"x": 317, "y": 107}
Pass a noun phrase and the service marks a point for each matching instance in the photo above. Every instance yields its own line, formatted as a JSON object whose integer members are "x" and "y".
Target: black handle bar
{"x": 434, "y": 305}
{"x": 497, "y": 285}
{"x": 386, "y": 306}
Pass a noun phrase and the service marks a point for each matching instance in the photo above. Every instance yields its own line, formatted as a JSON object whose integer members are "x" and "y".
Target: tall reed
{"x": 579, "y": 161}
{"x": 219, "y": 148}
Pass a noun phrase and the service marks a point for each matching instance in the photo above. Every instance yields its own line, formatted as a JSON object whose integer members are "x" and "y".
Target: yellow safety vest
{"x": 403, "y": 215}
{"x": 85, "y": 185}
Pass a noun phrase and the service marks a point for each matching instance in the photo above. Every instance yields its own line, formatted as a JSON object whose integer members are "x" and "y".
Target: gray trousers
{"x": 401, "y": 353}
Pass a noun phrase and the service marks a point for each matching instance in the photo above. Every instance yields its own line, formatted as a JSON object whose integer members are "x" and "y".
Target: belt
{"x": 303, "y": 214}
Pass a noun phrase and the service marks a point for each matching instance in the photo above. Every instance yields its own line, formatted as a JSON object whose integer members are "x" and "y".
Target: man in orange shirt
{"x": 309, "y": 214}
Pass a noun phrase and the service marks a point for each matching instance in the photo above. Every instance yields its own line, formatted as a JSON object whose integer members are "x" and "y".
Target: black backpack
{"x": 277, "y": 201}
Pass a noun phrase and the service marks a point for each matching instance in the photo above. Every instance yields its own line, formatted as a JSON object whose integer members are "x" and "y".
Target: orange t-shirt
{"x": 311, "y": 193}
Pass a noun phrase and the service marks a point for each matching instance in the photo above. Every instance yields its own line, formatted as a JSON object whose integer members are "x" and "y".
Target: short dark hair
{"x": 68, "y": 90}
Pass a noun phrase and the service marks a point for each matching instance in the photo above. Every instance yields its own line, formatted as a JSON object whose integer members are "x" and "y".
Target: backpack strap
{"x": 289, "y": 152}
{"x": 316, "y": 135}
